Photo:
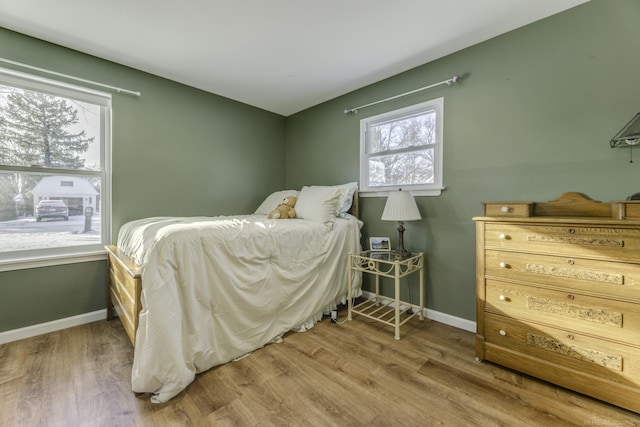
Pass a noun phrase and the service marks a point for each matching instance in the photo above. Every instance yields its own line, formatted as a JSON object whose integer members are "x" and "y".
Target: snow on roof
{"x": 64, "y": 186}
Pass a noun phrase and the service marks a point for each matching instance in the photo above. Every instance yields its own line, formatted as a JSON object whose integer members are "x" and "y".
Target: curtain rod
{"x": 448, "y": 82}
{"x": 66, "y": 76}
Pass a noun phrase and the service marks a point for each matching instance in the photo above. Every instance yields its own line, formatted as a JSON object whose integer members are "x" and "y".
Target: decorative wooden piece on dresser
{"x": 558, "y": 293}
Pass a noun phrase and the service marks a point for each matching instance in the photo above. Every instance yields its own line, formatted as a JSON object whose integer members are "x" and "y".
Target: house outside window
{"x": 55, "y": 147}
{"x": 403, "y": 149}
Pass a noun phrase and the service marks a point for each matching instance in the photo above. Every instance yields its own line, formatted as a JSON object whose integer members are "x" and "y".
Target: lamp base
{"x": 400, "y": 252}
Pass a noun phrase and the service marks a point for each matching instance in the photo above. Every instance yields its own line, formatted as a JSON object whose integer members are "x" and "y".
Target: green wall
{"x": 176, "y": 151}
{"x": 531, "y": 119}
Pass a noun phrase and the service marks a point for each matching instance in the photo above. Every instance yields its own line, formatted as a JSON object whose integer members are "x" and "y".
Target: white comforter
{"x": 218, "y": 288}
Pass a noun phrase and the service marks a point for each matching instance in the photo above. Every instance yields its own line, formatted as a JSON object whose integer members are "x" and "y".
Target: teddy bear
{"x": 284, "y": 209}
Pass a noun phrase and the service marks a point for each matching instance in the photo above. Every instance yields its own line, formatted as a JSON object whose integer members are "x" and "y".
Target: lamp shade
{"x": 629, "y": 135}
{"x": 401, "y": 206}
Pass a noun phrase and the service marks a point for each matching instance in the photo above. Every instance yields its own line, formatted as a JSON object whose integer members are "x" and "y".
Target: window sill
{"x": 416, "y": 193}
{"x": 27, "y": 263}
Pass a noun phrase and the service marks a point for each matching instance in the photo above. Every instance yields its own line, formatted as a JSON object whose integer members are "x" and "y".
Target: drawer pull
{"x": 570, "y": 296}
{"x": 502, "y": 332}
{"x": 569, "y": 337}
{"x": 502, "y": 298}
{"x": 503, "y": 265}
{"x": 571, "y": 231}
{"x": 504, "y": 209}
{"x": 570, "y": 261}
{"x": 502, "y": 236}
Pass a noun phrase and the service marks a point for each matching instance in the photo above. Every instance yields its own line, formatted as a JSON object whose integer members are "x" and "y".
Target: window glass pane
{"x": 405, "y": 133}
{"x": 403, "y": 148}
{"x": 48, "y": 211}
{"x": 38, "y": 129}
{"x": 415, "y": 167}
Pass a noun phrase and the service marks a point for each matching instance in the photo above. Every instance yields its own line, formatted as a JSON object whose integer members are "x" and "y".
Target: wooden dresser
{"x": 558, "y": 293}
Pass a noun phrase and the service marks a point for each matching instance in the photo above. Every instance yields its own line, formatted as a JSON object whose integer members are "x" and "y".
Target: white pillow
{"x": 348, "y": 200}
{"x": 273, "y": 200}
{"x": 319, "y": 203}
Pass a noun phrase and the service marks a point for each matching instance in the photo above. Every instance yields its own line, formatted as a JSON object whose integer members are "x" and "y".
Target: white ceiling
{"x": 280, "y": 55}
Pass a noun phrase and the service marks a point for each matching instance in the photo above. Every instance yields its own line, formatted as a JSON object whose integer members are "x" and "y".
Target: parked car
{"x": 52, "y": 209}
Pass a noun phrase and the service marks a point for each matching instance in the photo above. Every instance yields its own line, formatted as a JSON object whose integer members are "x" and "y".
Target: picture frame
{"x": 379, "y": 244}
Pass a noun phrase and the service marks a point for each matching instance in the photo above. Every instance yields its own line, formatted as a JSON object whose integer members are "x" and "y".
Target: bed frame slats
{"x": 125, "y": 284}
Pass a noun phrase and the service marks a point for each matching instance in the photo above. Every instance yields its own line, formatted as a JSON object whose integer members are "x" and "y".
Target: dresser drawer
{"x": 615, "y": 362}
{"x": 615, "y": 320}
{"x": 579, "y": 241}
{"x": 620, "y": 280}
{"x": 508, "y": 209}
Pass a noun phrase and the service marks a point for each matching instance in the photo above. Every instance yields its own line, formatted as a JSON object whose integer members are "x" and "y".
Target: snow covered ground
{"x": 27, "y": 233}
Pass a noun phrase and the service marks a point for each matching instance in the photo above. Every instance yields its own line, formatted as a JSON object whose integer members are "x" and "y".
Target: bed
{"x": 196, "y": 292}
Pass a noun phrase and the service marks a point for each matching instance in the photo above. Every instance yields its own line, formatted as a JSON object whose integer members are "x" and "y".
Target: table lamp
{"x": 401, "y": 207}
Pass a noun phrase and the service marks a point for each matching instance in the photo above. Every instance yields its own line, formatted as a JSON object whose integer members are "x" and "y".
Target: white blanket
{"x": 214, "y": 289}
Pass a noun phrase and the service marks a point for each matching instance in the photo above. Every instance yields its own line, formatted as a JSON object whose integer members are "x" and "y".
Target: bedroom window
{"x": 54, "y": 172}
{"x": 403, "y": 149}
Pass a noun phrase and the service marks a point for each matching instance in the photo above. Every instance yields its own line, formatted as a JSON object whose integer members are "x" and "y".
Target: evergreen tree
{"x": 7, "y": 204}
{"x": 35, "y": 131}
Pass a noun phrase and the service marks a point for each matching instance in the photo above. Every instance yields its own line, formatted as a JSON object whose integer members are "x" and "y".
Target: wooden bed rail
{"x": 124, "y": 287}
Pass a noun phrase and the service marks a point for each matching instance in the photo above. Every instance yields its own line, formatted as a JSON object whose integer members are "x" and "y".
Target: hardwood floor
{"x": 350, "y": 374}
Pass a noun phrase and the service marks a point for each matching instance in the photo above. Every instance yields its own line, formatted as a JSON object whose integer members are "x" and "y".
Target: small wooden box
{"x": 626, "y": 209}
{"x": 508, "y": 209}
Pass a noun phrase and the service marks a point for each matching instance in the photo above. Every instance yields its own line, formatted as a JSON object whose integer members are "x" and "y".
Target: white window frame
{"x": 432, "y": 189}
{"x": 68, "y": 254}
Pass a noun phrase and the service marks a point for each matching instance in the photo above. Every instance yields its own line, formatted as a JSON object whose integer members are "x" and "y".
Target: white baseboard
{"x": 447, "y": 319}
{"x": 55, "y": 325}
{"x": 81, "y": 319}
